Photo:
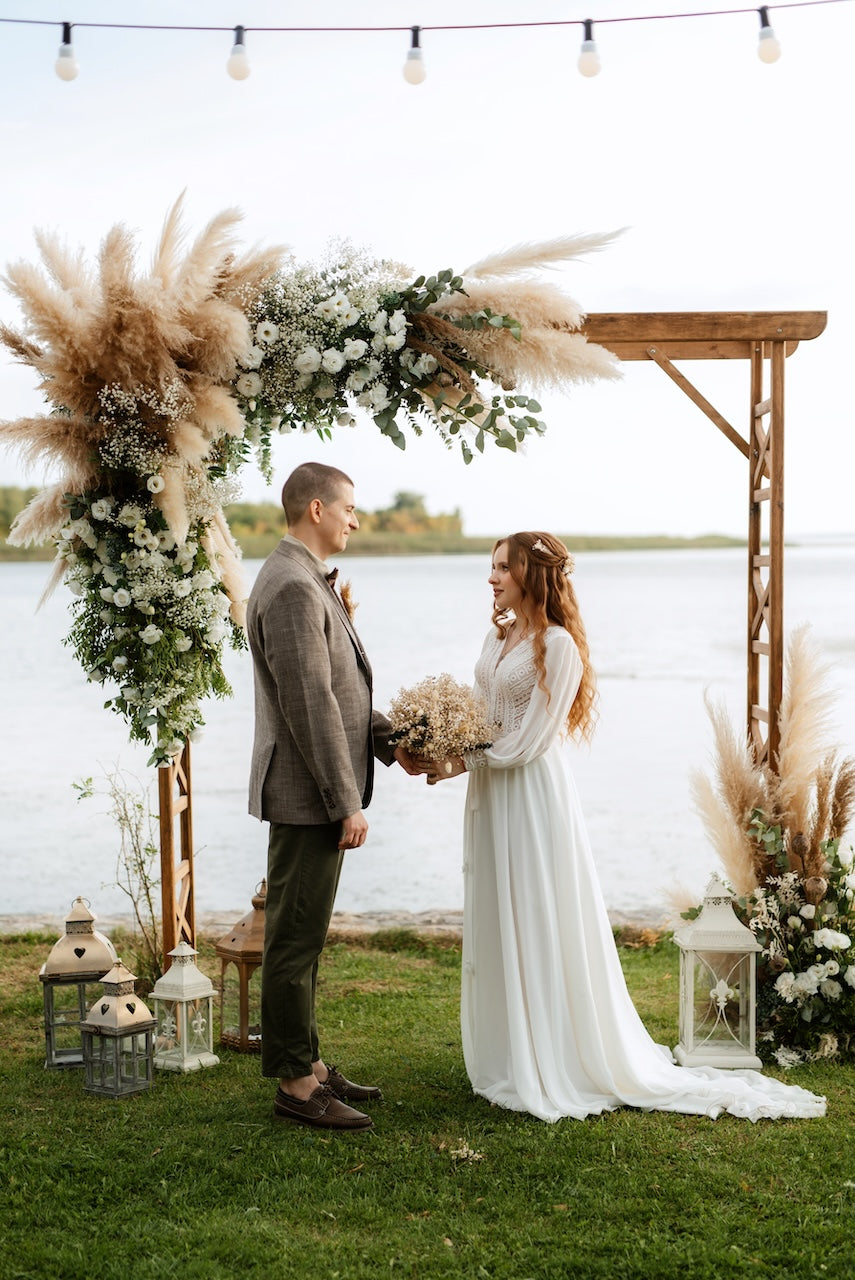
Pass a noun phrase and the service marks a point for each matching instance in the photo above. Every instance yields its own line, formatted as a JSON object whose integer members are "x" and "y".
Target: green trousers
{"x": 303, "y": 868}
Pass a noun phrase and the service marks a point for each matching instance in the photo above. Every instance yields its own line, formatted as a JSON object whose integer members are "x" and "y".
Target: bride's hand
{"x": 441, "y": 770}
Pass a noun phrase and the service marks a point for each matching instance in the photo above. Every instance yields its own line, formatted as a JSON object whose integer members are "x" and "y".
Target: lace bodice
{"x": 506, "y": 683}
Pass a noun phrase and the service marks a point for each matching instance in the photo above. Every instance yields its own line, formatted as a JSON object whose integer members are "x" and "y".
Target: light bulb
{"x": 238, "y": 64}
{"x": 66, "y": 63}
{"x": 589, "y": 60}
{"x": 768, "y": 47}
{"x": 414, "y": 67}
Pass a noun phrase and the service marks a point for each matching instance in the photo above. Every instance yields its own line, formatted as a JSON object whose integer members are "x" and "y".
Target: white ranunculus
{"x": 795, "y": 922}
{"x": 121, "y": 598}
{"x": 249, "y": 384}
{"x": 830, "y": 989}
{"x": 397, "y": 322}
{"x": 119, "y": 664}
{"x": 106, "y": 593}
{"x": 831, "y": 939}
{"x": 377, "y": 323}
{"x": 332, "y": 360}
{"x": 832, "y": 968}
{"x": 155, "y": 484}
{"x": 183, "y": 643}
{"x": 308, "y": 361}
{"x": 253, "y": 358}
{"x": 150, "y": 634}
{"x": 808, "y": 911}
{"x": 354, "y": 349}
{"x": 267, "y": 331}
{"x": 100, "y": 509}
{"x": 345, "y": 420}
{"x": 395, "y": 341}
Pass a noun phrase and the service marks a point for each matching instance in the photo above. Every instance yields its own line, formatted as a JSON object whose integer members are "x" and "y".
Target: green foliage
{"x": 195, "y": 1179}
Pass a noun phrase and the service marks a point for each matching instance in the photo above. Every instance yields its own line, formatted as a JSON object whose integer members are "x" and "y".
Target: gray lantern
{"x": 118, "y": 1044}
{"x": 718, "y": 957}
{"x": 77, "y": 960}
{"x": 184, "y": 1011}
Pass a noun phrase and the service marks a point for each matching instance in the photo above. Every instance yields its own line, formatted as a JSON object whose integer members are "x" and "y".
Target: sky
{"x": 732, "y": 178}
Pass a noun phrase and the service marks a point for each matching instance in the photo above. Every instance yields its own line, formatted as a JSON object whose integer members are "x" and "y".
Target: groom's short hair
{"x": 307, "y": 482}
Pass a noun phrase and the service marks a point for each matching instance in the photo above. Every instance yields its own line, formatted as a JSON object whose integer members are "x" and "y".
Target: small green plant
{"x": 137, "y": 862}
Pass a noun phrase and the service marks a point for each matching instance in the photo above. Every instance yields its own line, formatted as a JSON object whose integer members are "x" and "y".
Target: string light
{"x": 66, "y": 63}
{"x": 238, "y": 64}
{"x": 768, "y": 48}
{"x": 414, "y": 67}
{"x": 589, "y": 60}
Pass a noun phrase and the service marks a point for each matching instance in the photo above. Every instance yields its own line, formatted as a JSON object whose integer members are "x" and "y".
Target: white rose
{"x": 203, "y": 580}
{"x": 131, "y": 559}
{"x": 182, "y": 587}
{"x": 183, "y": 643}
{"x": 249, "y": 384}
{"x": 378, "y": 397}
{"x": 831, "y": 939}
{"x": 106, "y": 616}
{"x": 324, "y": 391}
{"x": 155, "y": 484}
{"x": 845, "y": 857}
{"x": 216, "y": 632}
{"x": 345, "y": 420}
{"x": 130, "y": 515}
{"x": 849, "y": 976}
{"x": 308, "y": 361}
{"x": 141, "y": 535}
{"x": 794, "y": 922}
{"x": 119, "y": 664}
{"x": 151, "y": 634}
{"x": 832, "y": 968}
{"x": 808, "y": 911}
{"x": 267, "y": 331}
{"x": 106, "y": 593}
{"x": 332, "y": 360}
{"x": 130, "y": 694}
{"x": 830, "y": 989}
{"x": 121, "y": 598}
{"x": 110, "y": 576}
{"x": 253, "y": 358}
{"x": 354, "y": 348}
{"x": 76, "y": 588}
{"x": 100, "y": 509}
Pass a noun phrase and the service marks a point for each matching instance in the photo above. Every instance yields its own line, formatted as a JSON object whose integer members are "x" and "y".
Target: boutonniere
{"x": 350, "y": 605}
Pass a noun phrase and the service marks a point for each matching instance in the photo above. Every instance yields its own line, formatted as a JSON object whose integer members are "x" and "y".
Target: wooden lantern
{"x": 243, "y": 947}
{"x": 78, "y": 959}
{"x": 118, "y": 1043}
{"x": 184, "y": 1011}
{"x": 718, "y": 957}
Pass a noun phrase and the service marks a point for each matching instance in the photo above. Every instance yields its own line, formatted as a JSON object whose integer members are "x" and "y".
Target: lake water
{"x": 663, "y": 627}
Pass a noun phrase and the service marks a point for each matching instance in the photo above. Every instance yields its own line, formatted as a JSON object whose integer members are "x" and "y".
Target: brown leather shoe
{"x": 322, "y": 1109}
{"x": 347, "y": 1090}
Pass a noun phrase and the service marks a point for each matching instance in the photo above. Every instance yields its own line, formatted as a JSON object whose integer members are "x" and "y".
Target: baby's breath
{"x": 438, "y": 718}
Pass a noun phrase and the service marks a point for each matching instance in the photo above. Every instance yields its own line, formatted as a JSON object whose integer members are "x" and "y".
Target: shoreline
{"x": 435, "y": 923}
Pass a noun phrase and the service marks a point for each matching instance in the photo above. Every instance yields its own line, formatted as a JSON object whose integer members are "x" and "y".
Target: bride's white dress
{"x": 547, "y": 1022}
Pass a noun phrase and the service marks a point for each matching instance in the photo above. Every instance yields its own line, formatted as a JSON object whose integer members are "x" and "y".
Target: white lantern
{"x": 77, "y": 960}
{"x": 118, "y": 1048}
{"x": 184, "y": 1012}
{"x": 718, "y": 957}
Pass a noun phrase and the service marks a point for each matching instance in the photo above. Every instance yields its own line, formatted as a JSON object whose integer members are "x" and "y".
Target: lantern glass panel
{"x": 66, "y": 1005}
{"x": 118, "y": 1065}
{"x": 240, "y": 1007}
{"x": 722, "y": 984}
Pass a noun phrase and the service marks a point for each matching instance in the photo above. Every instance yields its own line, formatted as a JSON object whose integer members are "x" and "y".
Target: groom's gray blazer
{"x": 315, "y": 733}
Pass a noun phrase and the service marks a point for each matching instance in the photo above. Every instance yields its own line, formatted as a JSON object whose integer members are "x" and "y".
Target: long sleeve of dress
{"x": 544, "y": 717}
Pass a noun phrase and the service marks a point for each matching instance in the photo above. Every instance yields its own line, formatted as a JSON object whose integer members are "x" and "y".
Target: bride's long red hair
{"x": 547, "y": 589}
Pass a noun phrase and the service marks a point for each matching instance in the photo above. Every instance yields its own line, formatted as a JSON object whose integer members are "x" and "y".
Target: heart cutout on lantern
{"x": 104, "y": 1007}
{"x": 131, "y": 1008}
{"x": 80, "y": 952}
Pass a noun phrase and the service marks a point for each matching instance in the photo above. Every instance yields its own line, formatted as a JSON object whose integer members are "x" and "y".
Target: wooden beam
{"x": 701, "y": 335}
{"x": 701, "y": 401}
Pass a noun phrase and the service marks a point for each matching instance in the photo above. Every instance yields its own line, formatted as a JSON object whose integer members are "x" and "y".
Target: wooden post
{"x": 176, "y": 857}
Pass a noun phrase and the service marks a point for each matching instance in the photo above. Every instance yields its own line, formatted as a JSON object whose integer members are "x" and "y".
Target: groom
{"x": 311, "y": 777}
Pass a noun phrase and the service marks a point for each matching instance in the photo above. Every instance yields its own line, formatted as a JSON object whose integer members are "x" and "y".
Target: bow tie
{"x": 331, "y": 577}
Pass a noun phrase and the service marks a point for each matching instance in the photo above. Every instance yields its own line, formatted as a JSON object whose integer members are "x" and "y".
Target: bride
{"x": 547, "y": 1022}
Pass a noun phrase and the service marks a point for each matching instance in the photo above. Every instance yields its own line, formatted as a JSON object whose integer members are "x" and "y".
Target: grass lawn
{"x": 194, "y": 1179}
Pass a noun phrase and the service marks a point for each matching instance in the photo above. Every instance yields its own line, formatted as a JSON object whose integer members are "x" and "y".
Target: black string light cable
{"x": 238, "y": 67}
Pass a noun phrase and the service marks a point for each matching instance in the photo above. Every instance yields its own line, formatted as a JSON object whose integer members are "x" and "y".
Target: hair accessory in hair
{"x": 568, "y": 566}
{"x": 538, "y": 546}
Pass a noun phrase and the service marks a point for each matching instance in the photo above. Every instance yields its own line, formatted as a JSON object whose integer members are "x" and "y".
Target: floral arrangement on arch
{"x": 362, "y": 334}
{"x": 161, "y": 385}
{"x": 780, "y": 836}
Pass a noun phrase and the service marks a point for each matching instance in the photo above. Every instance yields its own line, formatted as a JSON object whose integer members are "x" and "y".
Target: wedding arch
{"x": 161, "y": 385}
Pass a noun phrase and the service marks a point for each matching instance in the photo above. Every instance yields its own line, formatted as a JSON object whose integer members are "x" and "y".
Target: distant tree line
{"x": 406, "y": 515}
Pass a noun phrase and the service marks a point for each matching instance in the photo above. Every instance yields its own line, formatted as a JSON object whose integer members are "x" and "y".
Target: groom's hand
{"x": 410, "y": 763}
{"x": 353, "y": 831}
